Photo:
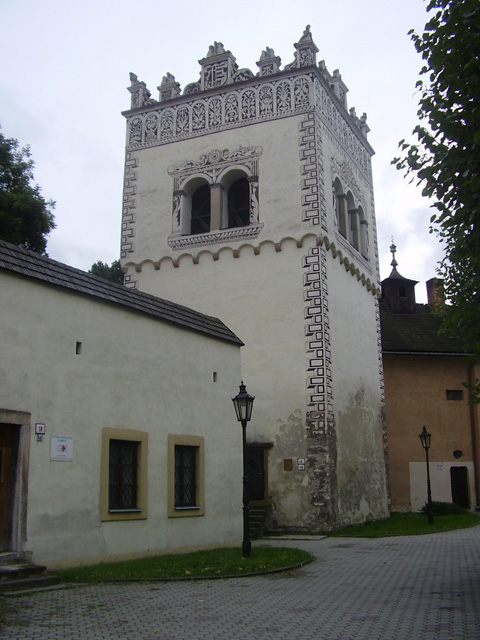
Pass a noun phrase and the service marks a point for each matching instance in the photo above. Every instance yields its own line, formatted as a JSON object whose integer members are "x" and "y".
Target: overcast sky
{"x": 65, "y": 69}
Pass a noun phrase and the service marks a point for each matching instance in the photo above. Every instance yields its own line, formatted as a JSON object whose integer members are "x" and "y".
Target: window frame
{"x": 128, "y": 435}
{"x": 199, "y": 508}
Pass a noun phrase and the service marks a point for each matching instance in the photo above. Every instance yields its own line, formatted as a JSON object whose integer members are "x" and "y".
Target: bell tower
{"x": 249, "y": 196}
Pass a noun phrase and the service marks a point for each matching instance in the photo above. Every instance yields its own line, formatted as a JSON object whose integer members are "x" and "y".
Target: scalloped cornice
{"x": 351, "y": 266}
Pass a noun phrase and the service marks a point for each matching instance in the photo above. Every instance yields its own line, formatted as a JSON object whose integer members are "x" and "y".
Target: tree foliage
{"x": 26, "y": 218}
{"x": 446, "y": 157}
{"x": 113, "y": 272}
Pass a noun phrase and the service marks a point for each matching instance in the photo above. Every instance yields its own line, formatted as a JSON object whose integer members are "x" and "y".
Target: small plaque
{"x": 61, "y": 448}
{"x": 39, "y": 429}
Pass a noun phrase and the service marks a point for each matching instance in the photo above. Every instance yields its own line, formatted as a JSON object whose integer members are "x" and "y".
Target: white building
{"x": 250, "y": 196}
{"x": 117, "y": 432}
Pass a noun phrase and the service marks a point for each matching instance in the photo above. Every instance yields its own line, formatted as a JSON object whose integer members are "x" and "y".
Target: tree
{"x": 26, "y": 218}
{"x": 446, "y": 158}
{"x": 113, "y": 272}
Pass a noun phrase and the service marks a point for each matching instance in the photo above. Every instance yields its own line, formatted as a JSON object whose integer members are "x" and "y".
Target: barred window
{"x": 185, "y": 476}
{"x": 123, "y": 472}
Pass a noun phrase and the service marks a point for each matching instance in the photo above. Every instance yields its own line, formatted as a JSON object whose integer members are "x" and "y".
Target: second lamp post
{"x": 243, "y": 403}
{"x": 425, "y": 438}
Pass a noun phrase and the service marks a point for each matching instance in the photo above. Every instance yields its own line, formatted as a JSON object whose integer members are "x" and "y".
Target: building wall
{"x": 133, "y": 373}
{"x": 298, "y": 294}
{"x": 415, "y": 390}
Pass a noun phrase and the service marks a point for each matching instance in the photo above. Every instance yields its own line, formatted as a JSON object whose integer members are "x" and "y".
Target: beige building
{"x": 250, "y": 196}
{"x": 117, "y": 432}
{"x": 425, "y": 374}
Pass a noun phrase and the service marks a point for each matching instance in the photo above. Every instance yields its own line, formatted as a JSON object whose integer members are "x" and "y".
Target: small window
{"x": 123, "y": 490}
{"x": 454, "y": 394}
{"x": 185, "y": 476}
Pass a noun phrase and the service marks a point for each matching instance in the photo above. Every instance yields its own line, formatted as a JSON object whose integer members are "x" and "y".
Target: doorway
{"x": 8, "y": 468}
{"x": 256, "y": 473}
{"x": 459, "y": 482}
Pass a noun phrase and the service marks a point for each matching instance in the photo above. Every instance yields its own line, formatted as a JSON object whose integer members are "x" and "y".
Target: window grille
{"x": 185, "y": 476}
{"x": 123, "y": 471}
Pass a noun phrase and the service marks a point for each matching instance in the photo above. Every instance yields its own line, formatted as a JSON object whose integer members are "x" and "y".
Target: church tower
{"x": 249, "y": 196}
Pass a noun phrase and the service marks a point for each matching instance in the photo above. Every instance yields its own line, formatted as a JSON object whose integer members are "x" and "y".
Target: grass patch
{"x": 212, "y": 563}
{"x": 410, "y": 524}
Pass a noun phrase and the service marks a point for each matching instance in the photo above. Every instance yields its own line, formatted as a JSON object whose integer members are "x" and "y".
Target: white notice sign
{"x": 61, "y": 448}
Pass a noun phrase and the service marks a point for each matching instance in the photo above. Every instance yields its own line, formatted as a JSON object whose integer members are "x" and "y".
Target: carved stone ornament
{"x": 212, "y": 164}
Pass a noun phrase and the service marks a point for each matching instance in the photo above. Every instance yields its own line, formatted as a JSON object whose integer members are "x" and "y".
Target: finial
{"x": 393, "y": 249}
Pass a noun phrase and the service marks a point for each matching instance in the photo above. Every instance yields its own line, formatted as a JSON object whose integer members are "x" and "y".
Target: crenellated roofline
{"x": 220, "y": 73}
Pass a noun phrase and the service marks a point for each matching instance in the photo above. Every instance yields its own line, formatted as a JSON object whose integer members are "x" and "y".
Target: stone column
{"x": 216, "y": 202}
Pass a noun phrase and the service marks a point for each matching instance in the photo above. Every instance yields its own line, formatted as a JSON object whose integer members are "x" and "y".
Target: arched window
{"x": 200, "y": 216}
{"x": 340, "y": 207}
{"x": 239, "y": 203}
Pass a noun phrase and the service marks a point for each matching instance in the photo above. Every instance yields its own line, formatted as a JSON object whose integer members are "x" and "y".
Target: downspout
{"x": 473, "y": 428}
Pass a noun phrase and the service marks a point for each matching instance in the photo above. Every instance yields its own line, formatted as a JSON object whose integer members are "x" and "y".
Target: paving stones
{"x": 420, "y": 587}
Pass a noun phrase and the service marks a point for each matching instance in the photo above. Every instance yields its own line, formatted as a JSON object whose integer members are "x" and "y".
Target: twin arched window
{"x": 350, "y": 218}
{"x": 213, "y": 206}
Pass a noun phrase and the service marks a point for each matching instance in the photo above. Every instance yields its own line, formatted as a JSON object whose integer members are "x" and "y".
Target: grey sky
{"x": 65, "y": 69}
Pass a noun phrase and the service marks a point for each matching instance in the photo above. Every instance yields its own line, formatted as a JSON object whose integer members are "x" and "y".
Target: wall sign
{"x": 61, "y": 448}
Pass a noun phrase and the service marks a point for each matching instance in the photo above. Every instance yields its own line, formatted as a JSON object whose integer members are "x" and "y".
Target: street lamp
{"x": 243, "y": 403}
{"x": 425, "y": 438}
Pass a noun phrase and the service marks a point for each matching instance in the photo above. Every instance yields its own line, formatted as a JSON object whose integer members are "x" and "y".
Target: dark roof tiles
{"x": 415, "y": 332}
{"x": 32, "y": 265}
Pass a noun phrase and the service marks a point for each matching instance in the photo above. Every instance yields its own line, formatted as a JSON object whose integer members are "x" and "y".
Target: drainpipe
{"x": 473, "y": 427}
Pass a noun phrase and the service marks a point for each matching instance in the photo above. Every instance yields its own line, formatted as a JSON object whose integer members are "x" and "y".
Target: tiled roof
{"x": 32, "y": 265}
{"x": 415, "y": 332}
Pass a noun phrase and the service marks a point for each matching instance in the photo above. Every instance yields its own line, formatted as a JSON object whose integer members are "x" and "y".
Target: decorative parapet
{"x": 220, "y": 70}
{"x": 281, "y": 97}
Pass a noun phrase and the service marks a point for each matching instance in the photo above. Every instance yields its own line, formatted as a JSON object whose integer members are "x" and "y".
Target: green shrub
{"x": 444, "y": 508}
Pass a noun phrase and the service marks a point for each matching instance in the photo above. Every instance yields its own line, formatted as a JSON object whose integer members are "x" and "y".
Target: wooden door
{"x": 459, "y": 480}
{"x": 8, "y": 456}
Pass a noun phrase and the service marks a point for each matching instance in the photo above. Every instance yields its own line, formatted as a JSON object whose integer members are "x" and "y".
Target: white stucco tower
{"x": 249, "y": 197}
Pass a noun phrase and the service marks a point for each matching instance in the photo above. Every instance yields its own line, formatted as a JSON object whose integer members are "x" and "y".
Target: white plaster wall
{"x": 134, "y": 372}
{"x": 357, "y": 396}
{"x": 440, "y": 482}
{"x": 279, "y": 184}
{"x": 270, "y": 320}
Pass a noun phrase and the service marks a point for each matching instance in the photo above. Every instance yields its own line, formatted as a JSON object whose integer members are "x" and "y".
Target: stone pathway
{"x": 409, "y": 588}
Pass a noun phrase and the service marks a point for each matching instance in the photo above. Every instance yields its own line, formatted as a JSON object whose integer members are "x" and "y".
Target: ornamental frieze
{"x": 234, "y": 108}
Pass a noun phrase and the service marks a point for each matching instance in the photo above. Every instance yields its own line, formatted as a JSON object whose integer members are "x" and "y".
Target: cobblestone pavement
{"x": 420, "y": 587}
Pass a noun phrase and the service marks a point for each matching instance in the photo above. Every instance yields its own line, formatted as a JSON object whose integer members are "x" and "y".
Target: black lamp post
{"x": 243, "y": 403}
{"x": 425, "y": 438}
